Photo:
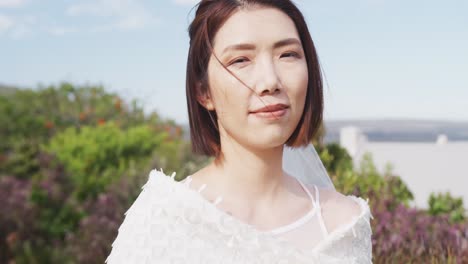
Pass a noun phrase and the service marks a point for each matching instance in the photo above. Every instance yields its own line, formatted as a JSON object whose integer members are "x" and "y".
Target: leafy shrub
{"x": 103, "y": 217}
{"x": 17, "y": 218}
{"x": 65, "y": 152}
{"x": 410, "y": 235}
{"x": 335, "y": 158}
{"x": 30, "y": 117}
{"x": 91, "y": 241}
{"x": 95, "y": 156}
{"x": 21, "y": 159}
{"x": 37, "y": 214}
{"x": 446, "y": 204}
{"x": 364, "y": 181}
{"x": 401, "y": 234}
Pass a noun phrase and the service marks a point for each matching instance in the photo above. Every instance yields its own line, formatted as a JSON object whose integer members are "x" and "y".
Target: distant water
{"x": 425, "y": 167}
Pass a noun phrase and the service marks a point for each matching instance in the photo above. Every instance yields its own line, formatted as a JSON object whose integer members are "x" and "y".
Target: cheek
{"x": 302, "y": 86}
{"x": 228, "y": 95}
{"x": 297, "y": 82}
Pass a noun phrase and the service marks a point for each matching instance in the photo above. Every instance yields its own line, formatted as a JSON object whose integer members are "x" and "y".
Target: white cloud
{"x": 12, "y": 3}
{"x": 186, "y": 2}
{"x": 16, "y": 27}
{"x": 98, "y": 8}
{"x": 114, "y": 14}
{"x": 5, "y": 23}
{"x": 124, "y": 14}
{"x": 21, "y": 31}
{"x": 60, "y": 31}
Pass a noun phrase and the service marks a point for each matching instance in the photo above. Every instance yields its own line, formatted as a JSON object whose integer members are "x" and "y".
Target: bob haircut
{"x": 209, "y": 17}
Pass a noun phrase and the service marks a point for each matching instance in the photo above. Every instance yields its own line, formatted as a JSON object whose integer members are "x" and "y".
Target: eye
{"x": 239, "y": 60}
{"x": 290, "y": 55}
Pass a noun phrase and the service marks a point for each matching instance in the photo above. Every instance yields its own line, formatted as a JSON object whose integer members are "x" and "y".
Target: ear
{"x": 204, "y": 98}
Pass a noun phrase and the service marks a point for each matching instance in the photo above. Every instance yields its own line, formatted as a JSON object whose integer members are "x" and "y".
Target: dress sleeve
{"x": 360, "y": 237}
{"x": 352, "y": 242}
{"x": 142, "y": 232}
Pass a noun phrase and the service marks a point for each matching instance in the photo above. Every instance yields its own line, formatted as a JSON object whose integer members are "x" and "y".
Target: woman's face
{"x": 260, "y": 46}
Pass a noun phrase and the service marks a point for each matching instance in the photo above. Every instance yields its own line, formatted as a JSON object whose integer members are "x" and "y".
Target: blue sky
{"x": 381, "y": 59}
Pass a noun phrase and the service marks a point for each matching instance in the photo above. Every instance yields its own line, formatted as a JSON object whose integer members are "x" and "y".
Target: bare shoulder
{"x": 337, "y": 209}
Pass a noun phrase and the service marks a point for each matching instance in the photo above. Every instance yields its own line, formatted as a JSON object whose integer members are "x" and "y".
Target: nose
{"x": 267, "y": 81}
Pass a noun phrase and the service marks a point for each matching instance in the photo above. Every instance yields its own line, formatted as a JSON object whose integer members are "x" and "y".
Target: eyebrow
{"x": 248, "y": 46}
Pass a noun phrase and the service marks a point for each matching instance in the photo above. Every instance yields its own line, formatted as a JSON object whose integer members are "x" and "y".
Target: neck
{"x": 247, "y": 173}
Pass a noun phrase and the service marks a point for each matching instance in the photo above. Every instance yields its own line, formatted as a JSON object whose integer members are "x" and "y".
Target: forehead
{"x": 258, "y": 25}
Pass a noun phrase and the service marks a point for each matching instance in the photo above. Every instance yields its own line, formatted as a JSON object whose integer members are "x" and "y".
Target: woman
{"x": 253, "y": 87}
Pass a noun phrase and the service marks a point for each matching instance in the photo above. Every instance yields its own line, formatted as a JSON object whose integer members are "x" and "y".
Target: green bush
{"x": 30, "y": 117}
{"x": 440, "y": 204}
{"x": 365, "y": 181}
{"x": 401, "y": 234}
{"x": 335, "y": 158}
{"x": 66, "y": 148}
{"x": 22, "y": 159}
{"x": 96, "y": 156}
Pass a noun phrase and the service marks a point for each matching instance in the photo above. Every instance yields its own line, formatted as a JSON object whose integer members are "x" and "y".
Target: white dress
{"x": 170, "y": 222}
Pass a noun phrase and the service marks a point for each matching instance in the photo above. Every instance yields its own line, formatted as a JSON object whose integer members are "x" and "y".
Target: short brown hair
{"x": 209, "y": 17}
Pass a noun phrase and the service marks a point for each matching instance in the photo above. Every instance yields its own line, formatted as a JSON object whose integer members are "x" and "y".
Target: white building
{"x": 425, "y": 167}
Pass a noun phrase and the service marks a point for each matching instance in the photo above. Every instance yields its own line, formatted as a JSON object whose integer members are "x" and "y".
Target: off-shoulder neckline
{"x": 332, "y": 236}
{"x": 274, "y": 231}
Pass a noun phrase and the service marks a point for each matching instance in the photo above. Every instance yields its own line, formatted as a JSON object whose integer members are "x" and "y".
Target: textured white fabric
{"x": 172, "y": 223}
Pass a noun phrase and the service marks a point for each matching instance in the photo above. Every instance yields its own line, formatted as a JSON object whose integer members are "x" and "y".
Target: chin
{"x": 268, "y": 141}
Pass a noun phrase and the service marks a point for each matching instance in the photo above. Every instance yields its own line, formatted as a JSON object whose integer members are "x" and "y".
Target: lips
{"x": 270, "y": 108}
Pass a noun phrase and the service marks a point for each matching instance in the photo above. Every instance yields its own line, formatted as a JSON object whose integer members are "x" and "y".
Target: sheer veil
{"x": 304, "y": 164}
